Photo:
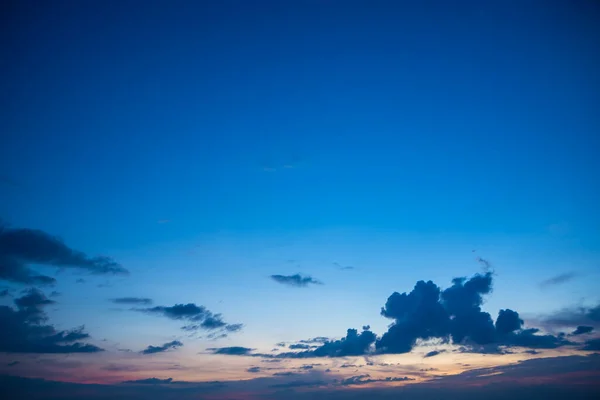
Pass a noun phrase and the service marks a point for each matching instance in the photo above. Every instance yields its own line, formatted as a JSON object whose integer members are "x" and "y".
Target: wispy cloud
{"x": 559, "y": 279}
{"x": 132, "y": 300}
{"x": 159, "y": 349}
{"x": 296, "y": 280}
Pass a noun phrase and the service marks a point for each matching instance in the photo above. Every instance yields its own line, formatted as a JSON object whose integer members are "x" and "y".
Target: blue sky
{"x": 206, "y": 146}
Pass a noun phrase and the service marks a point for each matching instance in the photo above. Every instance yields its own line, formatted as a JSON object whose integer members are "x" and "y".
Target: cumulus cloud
{"x": 21, "y": 247}
{"x": 198, "y": 318}
{"x": 132, "y": 300}
{"x": 159, "y": 349}
{"x": 24, "y": 330}
{"x": 558, "y": 279}
{"x": 296, "y": 280}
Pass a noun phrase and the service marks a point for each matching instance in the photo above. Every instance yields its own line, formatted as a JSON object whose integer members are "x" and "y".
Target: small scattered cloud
{"x": 582, "y": 330}
{"x": 232, "y": 351}
{"x": 296, "y": 280}
{"x": 433, "y": 353}
{"x": 299, "y": 346}
{"x": 487, "y": 266}
{"x": 132, "y": 300}
{"x": 343, "y": 267}
{"x": 198, "y": 318}
{"x": 253, "y": 370}
{"x": 159, "y": 349}
{"x": 366, "y": 379}
{"x": 80, "y": 280}
{"x": 12, "y": 364}
{"x": 558, "y": 279}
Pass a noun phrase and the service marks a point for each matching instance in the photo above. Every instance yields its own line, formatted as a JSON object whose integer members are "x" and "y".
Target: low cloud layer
{"x": 24, "y": 329}
{"x": 198, "y": 318}
{"x": 159, "y": 349}
{"x": 21, "y": 247}
{"x": 296, "y": 280}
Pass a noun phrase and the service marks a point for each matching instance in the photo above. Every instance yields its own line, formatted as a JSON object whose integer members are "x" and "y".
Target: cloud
{"x": 433, "y": 353}
{"x": 23, "y": 330}
{"x": 150, "y": 381}
{"x": 132, "y": 300}
{"x": 54, "y": 293}
{"x": 232, "y": 351}
{"x": 487, "y": 266}
{"x": 80, "y": 280}
{"x": 365, "y": 379}
{"x": 354, "y": 344}
{"x": 299, "y": 383}
{"x": 5, "y": 293}
{"x": 12, "y": 364}
{"x": 321, "y": 339}
{"x": 200, "y": 318}
{"x": 253, "y": 370}
{"x": 558, "y": 279}
{"x": 592, "y": 345}
{"x": 21, "y": 247}
{"x": 582, "y": 330}
{"x": 571, "y": 318}
{"x": 159, "y": 349}
{"x": 296, "y": 280}
{"x": 299, "y": 346}
{"x": 343, "y": 267}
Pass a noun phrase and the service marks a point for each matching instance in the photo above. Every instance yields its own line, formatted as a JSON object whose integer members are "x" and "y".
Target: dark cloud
{"x": 533, "y": 352}
{"x": 55, "y": 294}
{"x": 233, "y": 351}
{"x": 354, "y": 344}
{"x": 558, "y": 279}
{"x": 320, "y": 339}
{"x": 150, "y": 381}
{"x": 253, "y": 370}
{"x": 5, "y": 293}
{"x": 21, "y": 247}
{"x": 571, "y": 318}
{"x": 159, "y": 349}
{"x": 582, "y": 330}
{"x": 365, "y": 379}
{"x": 592, "y": 345}
{"x": 306, "y": 367}
{"x": 24, "y": 330}
{"x": 200, "y": 318}
{"x": 12, "y": 364}
{"x": 299, "y": 346}
{"x": 287, "y": 373}
{"x": 296, "y": 280}
{"x": 132, "y": 300}
{"x": 433, "y": 353}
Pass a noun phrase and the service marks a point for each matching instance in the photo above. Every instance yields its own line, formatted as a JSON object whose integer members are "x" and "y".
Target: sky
{"x": 200, "y": 191}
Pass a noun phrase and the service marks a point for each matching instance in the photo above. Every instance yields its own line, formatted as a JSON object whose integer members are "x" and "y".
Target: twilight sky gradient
{"x": 254, "y": 174}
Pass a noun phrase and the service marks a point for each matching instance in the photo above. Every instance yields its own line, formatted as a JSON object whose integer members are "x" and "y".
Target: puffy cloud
{"x": 159, "y": 349}
{"x": 132, "y": 300}
{"x": 200, "y": 318}
{"x": 508, "y": 321}
{"x": 296, "y": 280}
{"x": 24, "y": 330}
{"x": 21, "y": 247}
{"x": 582, "y": 330}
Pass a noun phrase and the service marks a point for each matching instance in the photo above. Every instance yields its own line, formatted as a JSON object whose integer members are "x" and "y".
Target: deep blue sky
{"x": 396, "y": 137}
